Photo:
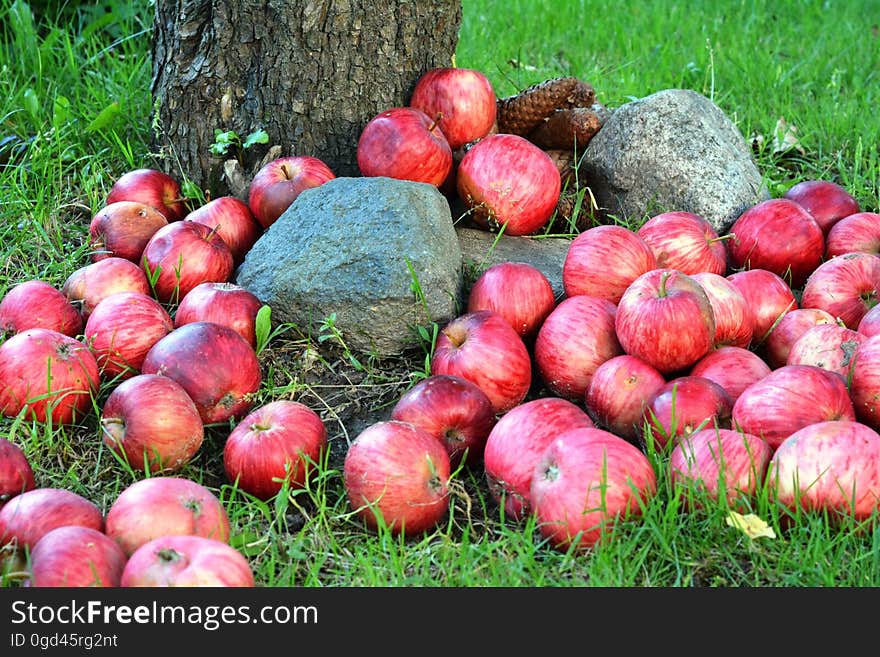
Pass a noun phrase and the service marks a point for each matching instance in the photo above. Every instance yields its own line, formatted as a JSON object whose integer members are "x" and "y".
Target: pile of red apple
{"x": 154, "y": 323}
{"x": 731, "y": 361}
{"x": 447, "y": 136}
{"x": 734, "y": 361}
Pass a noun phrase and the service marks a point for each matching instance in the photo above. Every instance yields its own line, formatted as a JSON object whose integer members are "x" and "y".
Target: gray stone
{"x": 346, "y": 247}
{"x": 672, "y": 150}
{"x": 481, "y": 249}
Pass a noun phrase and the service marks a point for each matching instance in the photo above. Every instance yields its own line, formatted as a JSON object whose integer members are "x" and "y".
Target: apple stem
{"x": 215, "y": 230}
{"x": 169, "y": 555}
{"x": 436, "y": 122}
{"x": 662, "y": 291}
{"x": 722, "y": 238}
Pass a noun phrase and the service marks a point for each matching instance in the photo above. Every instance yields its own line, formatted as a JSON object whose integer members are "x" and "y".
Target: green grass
{"x": 75, "y": 90}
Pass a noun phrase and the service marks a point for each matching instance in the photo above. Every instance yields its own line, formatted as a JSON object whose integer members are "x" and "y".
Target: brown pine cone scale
{"x": 564, "y": 160}
{"x": 566, "y": 129}
{"x": 520, "y": 113}
{"x": 583, "y": 95}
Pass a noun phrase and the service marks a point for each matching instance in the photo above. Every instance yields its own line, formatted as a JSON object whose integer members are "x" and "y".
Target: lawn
{"x": 75, "y": 105}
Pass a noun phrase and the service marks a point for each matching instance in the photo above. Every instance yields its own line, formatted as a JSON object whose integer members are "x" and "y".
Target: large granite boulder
{"x": 672, "y": 150}
{"x": 358, "y": 248}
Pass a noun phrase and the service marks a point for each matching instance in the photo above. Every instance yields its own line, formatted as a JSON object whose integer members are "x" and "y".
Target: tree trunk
{"x": 310, "y": 73}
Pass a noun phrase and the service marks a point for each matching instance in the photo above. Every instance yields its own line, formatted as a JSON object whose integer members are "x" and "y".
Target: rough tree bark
{"x": 310, "y": 73}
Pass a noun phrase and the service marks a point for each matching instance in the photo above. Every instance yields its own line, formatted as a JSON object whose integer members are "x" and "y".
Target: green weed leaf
{"x": 256, "y": 137}
{"x": 105, "y": 117}
{"x": 60, "y": 111}
{"x": 31, "y": 104}
{"x": 263, "y": 327}
{"x": 223, "y": 141}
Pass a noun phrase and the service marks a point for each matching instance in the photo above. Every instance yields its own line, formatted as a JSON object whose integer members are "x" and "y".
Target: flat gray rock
{"x": 481, "y": 249}
{"x": 355, "y": 247}
{"x": 672, "y": 150}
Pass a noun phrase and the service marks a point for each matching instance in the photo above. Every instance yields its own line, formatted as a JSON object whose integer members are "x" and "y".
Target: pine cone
{"x": 520, "y": 113}
{"x": 564, "y": 161}
{"x": 583, "y": 95}
{"x": 566, "y": 128}
{"x": 565, "y": 204}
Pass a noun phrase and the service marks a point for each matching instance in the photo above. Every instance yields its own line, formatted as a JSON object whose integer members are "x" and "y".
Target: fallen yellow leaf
{"x": 751, "y": 525}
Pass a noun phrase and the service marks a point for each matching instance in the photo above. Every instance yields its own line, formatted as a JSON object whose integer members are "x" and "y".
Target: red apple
{"x": 215, "y": 365}
{"x": 829, "y": 346}
{"x": 277, "y": 184}
{"x": 856, "y": 232}
{"x": 121, "y": 330}
{"x": 75, "y": 556}
{"x": 164, "y": 506}
{"x": 685, "y": 241}
{"x": 864, "y": 383}
{"x": 122, "y": 230}
{"x": 89, "y": 284}
{"x": 827, "y": 202}
{"x": 453, "y": 410}
{"x": 396, "y": 476}
{"x": 775, "y": 407}
{"x": 780, "y": 236}
{"x": 406, "y": 144}
{"x": 734, "y": 321}
{"x": 509, "y": 183}
{"x": 27, "y": 517}
{"x": 232, "y": 219}
{"x": 279, "y": 442}
{"x": 151, "y": 422}
{"x": 16, "y": 473}
{"x": 792, "y": 326}
{"x": 517, "y": 291}
{"x": 222, "y": 303}
{"x": 870, "y": 323}
{"x": 515, "y": 444}
{"x": 733, "y": 368}
{"x": 847, "y": 287}
{"x": 183, "y": 254}
{"x": 586, "y": 481}
{"x": 51, "y": 375}
{"x": 720, "y": 464}
{"x": 684, "y": 405}
{"x": 665, "y": 318}
{"x": 769, "y": 297}
{"x": 604, "y": 260}
{"x": 576, "y": 338}
{"x": 463, "y": 98}
{"x": 829, "y": 467}
{"x": 484, "y": 349}
{"x": 187, "y": 561}
{"x": 37, "y": 304}
{"x": 619, "y": 391}
{"x": 150, "y": 187}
